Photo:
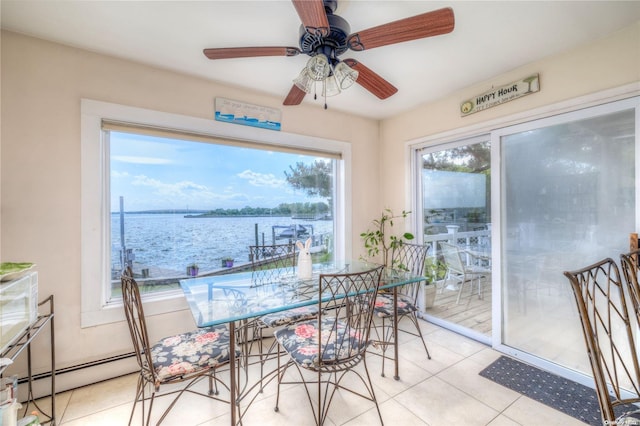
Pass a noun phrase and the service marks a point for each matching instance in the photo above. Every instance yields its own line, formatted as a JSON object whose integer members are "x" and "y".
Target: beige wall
{"x": 608, "y": 63}
{"x": 42, "y": 84}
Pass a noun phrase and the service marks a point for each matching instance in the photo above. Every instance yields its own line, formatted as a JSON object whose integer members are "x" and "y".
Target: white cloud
{"x": 176, "y": 189}
{"x": 140, "y": 160}
{"x": 117, "y": 174}
{"x": 261, "y": 179}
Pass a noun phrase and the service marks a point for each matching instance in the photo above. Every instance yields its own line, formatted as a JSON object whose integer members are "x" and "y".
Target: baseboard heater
{"x": 66, "y": 380}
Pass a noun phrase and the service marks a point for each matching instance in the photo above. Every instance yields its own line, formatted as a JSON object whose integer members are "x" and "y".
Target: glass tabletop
{"x": 224, "y": 298}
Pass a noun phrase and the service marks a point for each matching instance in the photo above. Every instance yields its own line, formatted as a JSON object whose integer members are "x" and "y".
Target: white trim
{"x": 586, "y": 101}
{"x": 94, "y": 200}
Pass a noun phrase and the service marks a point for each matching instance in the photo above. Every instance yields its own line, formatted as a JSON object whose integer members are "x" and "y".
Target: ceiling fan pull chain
{"x": 324, "y": 84}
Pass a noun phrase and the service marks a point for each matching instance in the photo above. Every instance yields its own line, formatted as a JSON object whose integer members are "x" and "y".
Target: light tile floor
{"x": 445, "y": 390}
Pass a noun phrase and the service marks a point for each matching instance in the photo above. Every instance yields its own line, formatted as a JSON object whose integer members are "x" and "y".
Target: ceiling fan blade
{"x": 249, "y": 52}
{"x": 372, "y": 81}
{"x": 312, "y": 15}
{"x": 295, "y": 96}
{"x": 428, "y": 24}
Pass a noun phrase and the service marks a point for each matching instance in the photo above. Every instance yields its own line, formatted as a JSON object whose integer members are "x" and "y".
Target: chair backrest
{"x": 134, "y": 313}
{"x": 452, "y": 258}
{"x": 608, "y": 334}
{"x": 411, "y": 258}
{"x": 347, "y": 299}
{"x": 630, "y": 265}
{"x": 269, "y": 262}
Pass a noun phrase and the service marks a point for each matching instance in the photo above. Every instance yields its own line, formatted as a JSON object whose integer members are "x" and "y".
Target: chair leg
{"x": 414, "y": 320}
{"x": 460, "y": 289}
{"x": 139, "y": 393}
{"x": 387, "y": 335}
{"x": 371, "y": 391}
{"x": 383, "y": 339}
{"x": 213, "y": 390}
{"x": 278, "y": 384}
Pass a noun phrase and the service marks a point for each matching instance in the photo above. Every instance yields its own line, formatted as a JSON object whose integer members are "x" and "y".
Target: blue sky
{"x": 157, "y": 173}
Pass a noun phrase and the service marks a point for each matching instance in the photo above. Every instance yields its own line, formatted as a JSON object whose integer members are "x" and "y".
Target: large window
{"x": 173, "y": 197}
{"x": 182, "y": 208}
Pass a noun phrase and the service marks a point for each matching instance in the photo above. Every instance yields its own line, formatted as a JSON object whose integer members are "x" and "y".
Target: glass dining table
{"x": 234, "y": 299}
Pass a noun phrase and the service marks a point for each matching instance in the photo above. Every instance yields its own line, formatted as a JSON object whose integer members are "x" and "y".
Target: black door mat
{"x": 571, "y": 398}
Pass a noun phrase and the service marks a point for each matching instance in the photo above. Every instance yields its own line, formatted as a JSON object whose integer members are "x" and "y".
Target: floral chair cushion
{"x": 384, "y": 305}
{"x": 339, "y": 343}
{"x": 189, "y": 353}
{"x": 290, "y": 316}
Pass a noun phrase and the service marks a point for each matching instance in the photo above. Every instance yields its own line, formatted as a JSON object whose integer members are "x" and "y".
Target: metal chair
{"x": 335, "y": 343}
{"x": 187, "y": 357}
{"x": 269, "y": 264}
{"x": 411, "y": 258}
{"x": 608, "y": 334}
{"x": 630, "y": 265}
{"x": 460, "y": 272}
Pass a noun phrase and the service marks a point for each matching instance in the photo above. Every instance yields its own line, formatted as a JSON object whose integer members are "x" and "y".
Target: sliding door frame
{"x": 627, "y": 96}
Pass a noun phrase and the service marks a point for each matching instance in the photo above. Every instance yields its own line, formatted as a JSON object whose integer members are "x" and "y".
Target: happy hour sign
{"x": 501, "y": 95}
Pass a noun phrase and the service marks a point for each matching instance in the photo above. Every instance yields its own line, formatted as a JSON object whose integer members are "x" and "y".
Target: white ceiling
{"x": 489, "y": 38}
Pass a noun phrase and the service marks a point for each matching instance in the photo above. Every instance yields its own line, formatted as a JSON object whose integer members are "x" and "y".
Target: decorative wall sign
{"x": 501, "y": 95}
{"x": 247, "y": 114}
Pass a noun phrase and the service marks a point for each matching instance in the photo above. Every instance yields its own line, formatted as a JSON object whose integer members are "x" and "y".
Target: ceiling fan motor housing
{"x": 332, "y": 44}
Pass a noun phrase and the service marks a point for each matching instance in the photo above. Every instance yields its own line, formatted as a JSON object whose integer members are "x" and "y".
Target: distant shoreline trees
{"x": 284, "y": 209}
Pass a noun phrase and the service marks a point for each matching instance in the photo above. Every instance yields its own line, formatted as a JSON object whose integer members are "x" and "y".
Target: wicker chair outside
{"x": 335, "y": 343}
{"x": 608, "y": 333}
{"x": 411, "y": 258}
{"x": 185, "y": 358}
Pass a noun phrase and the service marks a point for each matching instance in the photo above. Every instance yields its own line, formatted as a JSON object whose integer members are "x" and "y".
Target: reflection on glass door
{"x": 456, "y": 221}
{"x": 567, "y": 200}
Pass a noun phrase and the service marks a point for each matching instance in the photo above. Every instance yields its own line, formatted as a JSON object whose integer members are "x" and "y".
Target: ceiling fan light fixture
{"x": 331, "y": 87}
{"x": 345, "y": 75}
{"x": 318, "y": 67}
{"x": 304, "y": 81}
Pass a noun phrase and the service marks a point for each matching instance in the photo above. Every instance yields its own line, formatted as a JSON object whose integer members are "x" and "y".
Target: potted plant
{"x": 192, "y": 270}
{"x": 377, "y": 241}
{"x": 227, "y": 262}
{"x": 435, "y": 270}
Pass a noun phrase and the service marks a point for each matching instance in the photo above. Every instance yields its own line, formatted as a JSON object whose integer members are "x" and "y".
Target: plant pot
{"x": 428, "y": 295}
{"x": 192, "y": 271}
{"x": 228, "y": 263}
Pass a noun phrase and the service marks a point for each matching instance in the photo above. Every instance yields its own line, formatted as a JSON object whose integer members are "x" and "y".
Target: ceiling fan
{"x": 325, "y": 36}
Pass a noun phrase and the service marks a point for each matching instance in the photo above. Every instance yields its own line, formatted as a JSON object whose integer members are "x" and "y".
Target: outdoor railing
{"x": 462, "y": 239}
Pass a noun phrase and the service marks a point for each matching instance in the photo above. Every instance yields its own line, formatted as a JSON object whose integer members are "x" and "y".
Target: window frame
{"x": 95, "y": 202}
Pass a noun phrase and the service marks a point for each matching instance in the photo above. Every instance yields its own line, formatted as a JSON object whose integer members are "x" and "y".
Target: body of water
{"x": 171, "y": 241}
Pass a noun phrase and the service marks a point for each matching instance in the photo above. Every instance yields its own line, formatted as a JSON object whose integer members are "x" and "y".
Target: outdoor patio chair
{"x": 411, "y": 258}
{"x": 608, "y": 333}
{"x": 460, "y": 272}
{"x": 335, "y": 343}
{"x": 185, "y": 358}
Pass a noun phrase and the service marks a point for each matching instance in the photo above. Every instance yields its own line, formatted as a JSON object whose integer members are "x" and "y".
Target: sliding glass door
{"x": 567, "y": 199}
{"x": 527, "y": 203}
{"x": 455, "y": 218}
